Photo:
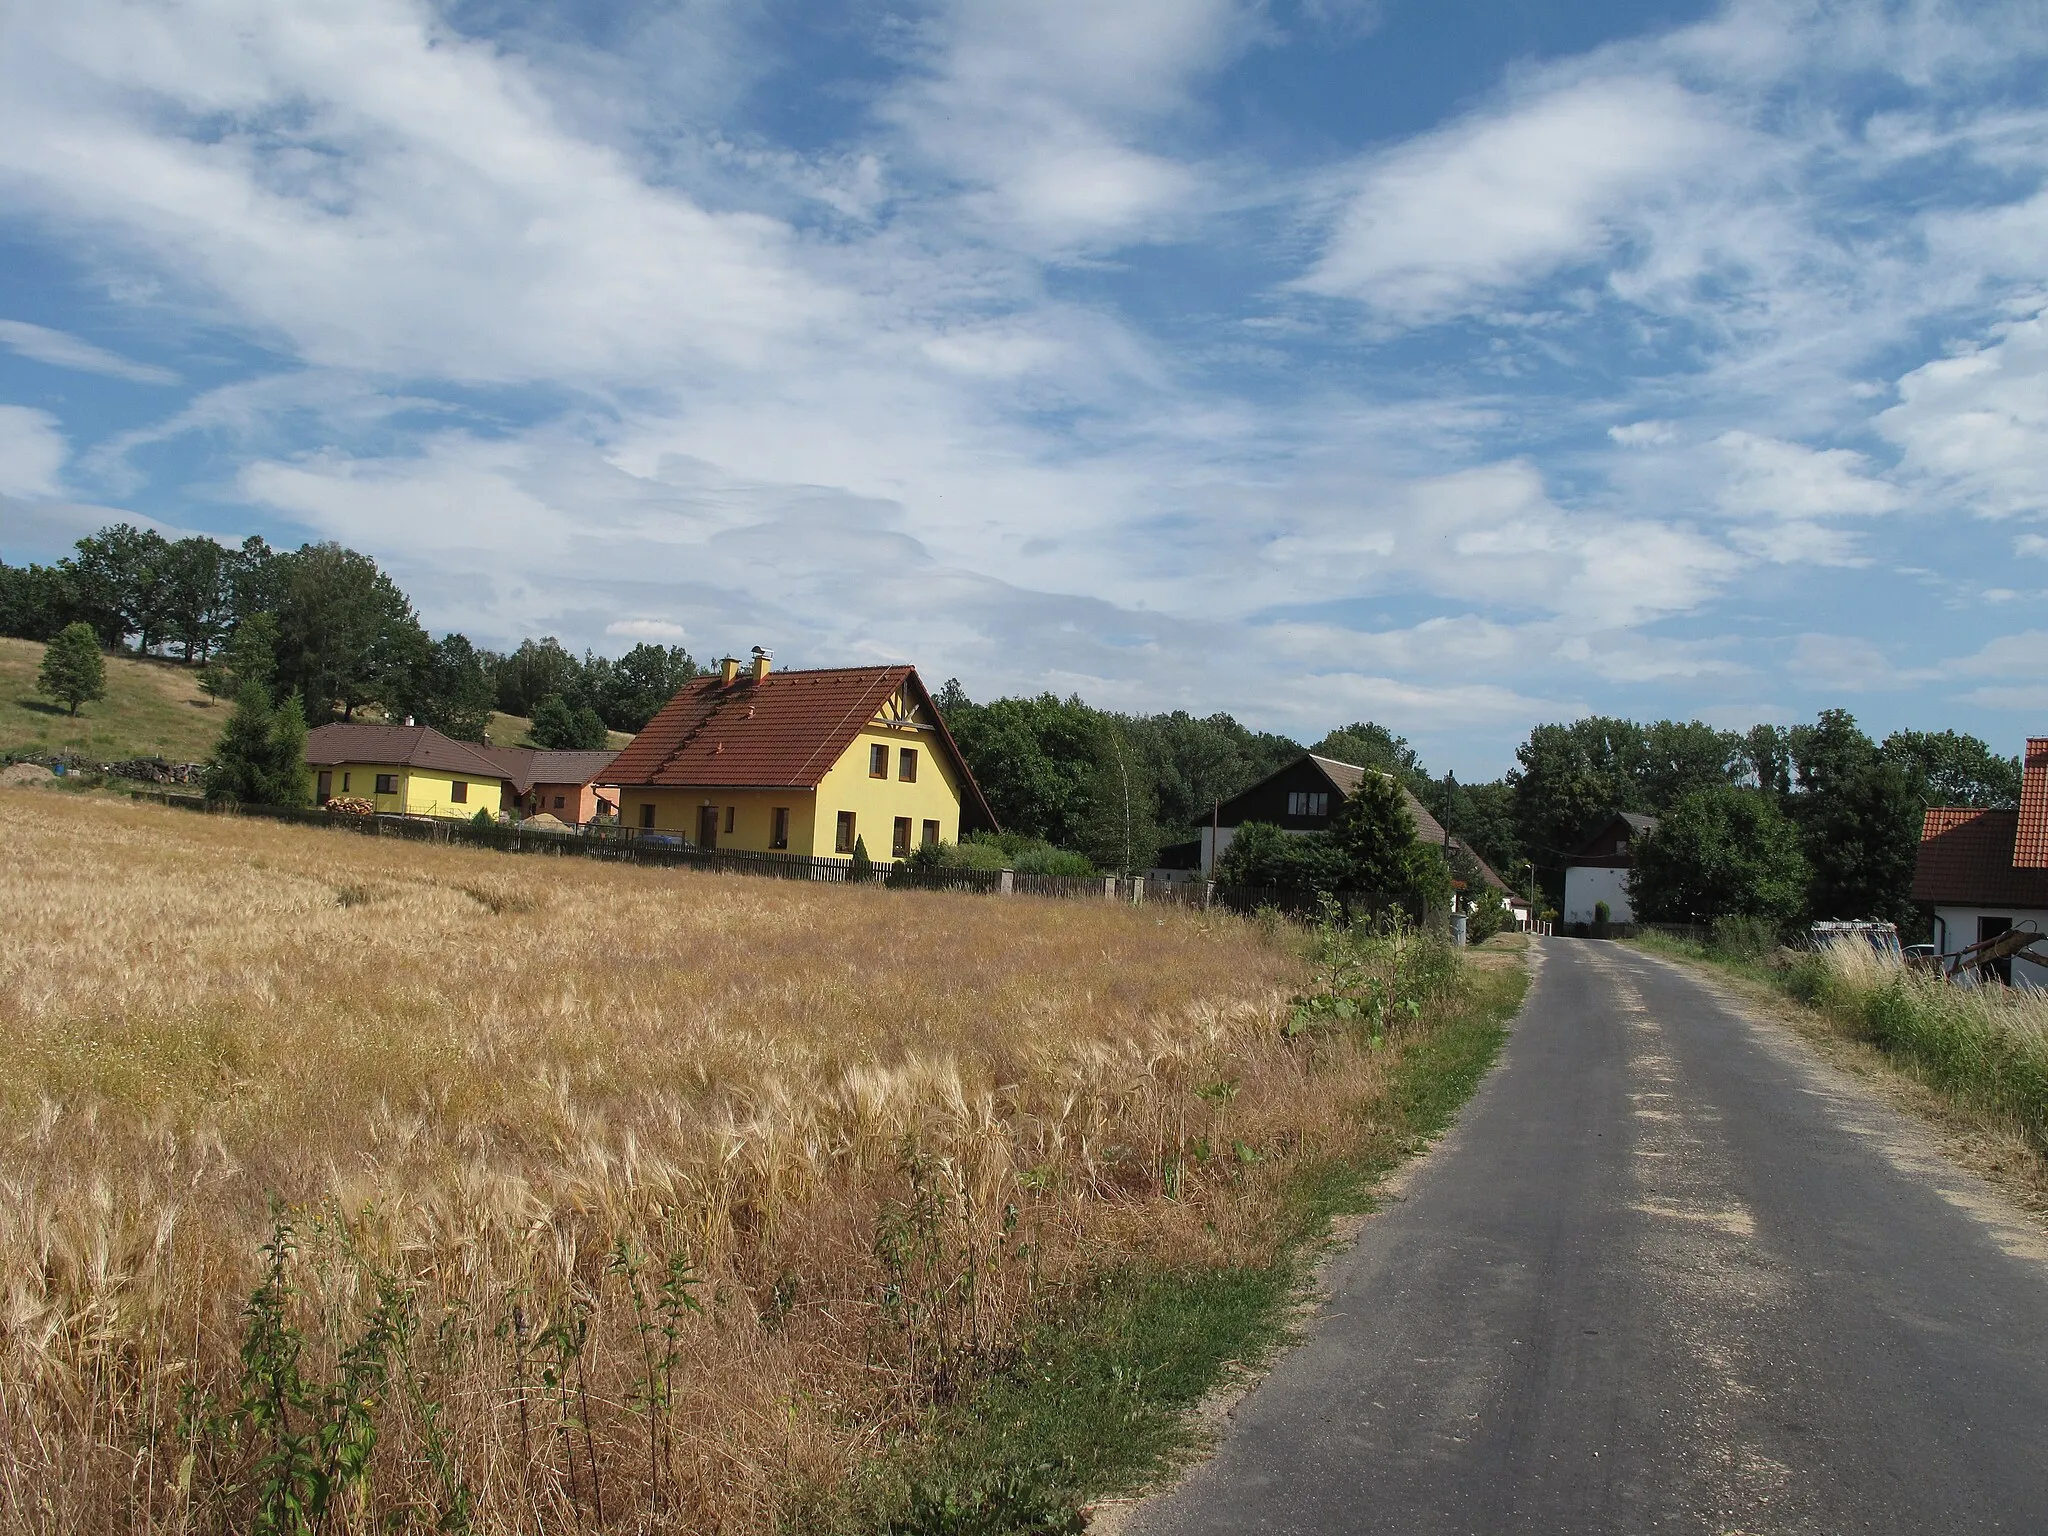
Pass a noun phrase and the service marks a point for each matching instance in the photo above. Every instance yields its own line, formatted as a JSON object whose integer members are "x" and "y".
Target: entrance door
{"x": 1991, "y": 928}
{"x": 707, "y": 827}
{"x": 326, "y": 791}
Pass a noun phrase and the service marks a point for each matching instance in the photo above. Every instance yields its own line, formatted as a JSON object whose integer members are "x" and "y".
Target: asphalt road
{"x": 1670, "y": 1273}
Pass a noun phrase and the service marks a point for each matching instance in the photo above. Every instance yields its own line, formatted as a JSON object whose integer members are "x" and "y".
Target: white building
{"x": 1985, "y": 872}
{"x": 1600, "y": 870}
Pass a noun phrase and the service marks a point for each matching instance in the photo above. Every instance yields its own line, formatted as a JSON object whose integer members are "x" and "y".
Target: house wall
{"x": 579, "y": 801}
{"x": 1956, "y": 928}
{"x": 677, "y": 811}
{"x": 814, "y": 815}
{"x": 1585, "y": 884}
{"x": 420, "y": 792}
{"x": 877, "y": 802}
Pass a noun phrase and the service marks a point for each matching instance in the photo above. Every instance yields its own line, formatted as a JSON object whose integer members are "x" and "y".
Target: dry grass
{"x": 864, "y": 1136}
{"x": 153, "y": 708}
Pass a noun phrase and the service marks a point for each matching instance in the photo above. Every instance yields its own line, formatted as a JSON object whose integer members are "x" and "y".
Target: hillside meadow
{"x": 153, "y": 708}
{"x": 353, "y": 1185}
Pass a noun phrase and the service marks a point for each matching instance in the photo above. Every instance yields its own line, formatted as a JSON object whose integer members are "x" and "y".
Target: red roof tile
{"x": 784, "y": 732}
{"x": 2030, "y": 844}
{"x": 1966, "y": 859}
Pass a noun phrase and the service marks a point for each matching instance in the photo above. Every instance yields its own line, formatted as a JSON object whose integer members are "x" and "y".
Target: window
{"x": 778, "y": 824}
{"x": 558, "y": 802}
{"x": 730, "y": 812}
{"x": 899, "y": 844}
{"x": 458, "y": 792}
{"x": 931, "y": 834}
{"x": 647, "y": 816}
{"x": 1303, "y": 802}
{"x": 344, "y": 783}
{"x": 387, "y": 783}
{"x": 878, "y": 762}
{"x": 906, "y": 765}
{"x": 843, "y": 842}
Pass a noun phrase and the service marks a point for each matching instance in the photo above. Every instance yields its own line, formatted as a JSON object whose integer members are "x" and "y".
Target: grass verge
{"x": 1099, "y": 1401}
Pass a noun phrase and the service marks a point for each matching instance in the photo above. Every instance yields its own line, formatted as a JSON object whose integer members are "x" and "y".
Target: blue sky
{"x": 1457, "y": 365}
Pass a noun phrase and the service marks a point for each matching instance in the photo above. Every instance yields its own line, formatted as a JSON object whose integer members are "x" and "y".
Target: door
{"x": 326, "y": 791}
{"x": 1991, "y": 928}
{"x": 707, "y": 827}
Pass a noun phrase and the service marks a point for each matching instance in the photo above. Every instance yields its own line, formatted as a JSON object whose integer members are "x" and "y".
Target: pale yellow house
{"x": 802, "y": 762}
{"x": 409, "y": 770}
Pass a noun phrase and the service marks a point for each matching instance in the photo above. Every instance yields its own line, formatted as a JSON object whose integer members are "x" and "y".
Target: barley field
{"x": 353, "y": 1185}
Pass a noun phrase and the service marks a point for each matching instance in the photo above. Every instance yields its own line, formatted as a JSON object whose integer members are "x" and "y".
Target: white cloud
{"x": 1975, "y": 424}
{"x": 32, "y": 452}
{"x": 384, "y": 194}
{"x": 660, "y": 631}
{"x": 1043, "y": 112}
{"x": 1644, "y": 434}
{"x": 1440, "y": 223}
{"x": 61, "y": 350}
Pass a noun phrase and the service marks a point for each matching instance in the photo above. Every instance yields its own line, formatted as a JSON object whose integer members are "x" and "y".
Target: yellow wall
{"x": 421, "y": 791}
{"x": 677, "y": 810}
{"x": 814, "y": 818}
{"x": 876, "y": 803}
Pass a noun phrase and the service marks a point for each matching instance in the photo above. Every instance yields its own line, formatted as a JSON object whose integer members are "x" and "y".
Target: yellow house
{"x": 410, "y": 770}
{"x": 801, "y": 762}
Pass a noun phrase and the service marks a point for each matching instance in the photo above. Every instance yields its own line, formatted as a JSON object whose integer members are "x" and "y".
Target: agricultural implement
{"x": 2016, "y": 943}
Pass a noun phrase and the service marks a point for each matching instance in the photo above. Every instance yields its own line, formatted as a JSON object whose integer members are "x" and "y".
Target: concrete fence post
{"x": 1137, "y": 890}
{"x": 1109, "y": 887}
{"x": 1208, "y": 894}
{"x": 1007, "y": 884}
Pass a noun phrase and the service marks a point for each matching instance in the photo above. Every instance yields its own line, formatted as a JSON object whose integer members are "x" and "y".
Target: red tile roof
{"x": 784, "y": 732}
{"x": 2030, "y": 843}
{"x": 407, "y": 746}
{"x": 1967, "y": 858}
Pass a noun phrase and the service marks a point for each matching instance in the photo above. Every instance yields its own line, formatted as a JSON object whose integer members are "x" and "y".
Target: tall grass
{"x": 1987, "y": 1046}
{"x": 351, "y": 1185}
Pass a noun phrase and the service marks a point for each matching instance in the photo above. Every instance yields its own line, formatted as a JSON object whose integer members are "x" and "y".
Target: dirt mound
{"x": 26, "y": 773}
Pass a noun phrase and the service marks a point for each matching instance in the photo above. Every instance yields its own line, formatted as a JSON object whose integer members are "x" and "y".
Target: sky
{"x": 1449, "y": 364}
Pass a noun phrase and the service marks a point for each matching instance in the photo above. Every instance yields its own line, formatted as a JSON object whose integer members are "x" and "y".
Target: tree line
{"x": 324, "y": 623}
{"x": 1782, "y": 822}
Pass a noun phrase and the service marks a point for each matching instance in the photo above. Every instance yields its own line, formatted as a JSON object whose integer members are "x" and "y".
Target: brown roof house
{"x": 803, "y": 762}
{"x": 1302, "y": 797}
{"x": 410, "y": 770}
{"x": 1985, "y": 872}
{"x": 573, "y": 787}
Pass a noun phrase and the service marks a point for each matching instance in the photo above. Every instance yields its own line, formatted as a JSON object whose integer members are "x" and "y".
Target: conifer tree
{"x": 73, "y": 671}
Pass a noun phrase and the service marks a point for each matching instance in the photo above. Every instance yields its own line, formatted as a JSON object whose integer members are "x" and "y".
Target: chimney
{"x": 762, "y": 661}
{"x": 729, "y": 670}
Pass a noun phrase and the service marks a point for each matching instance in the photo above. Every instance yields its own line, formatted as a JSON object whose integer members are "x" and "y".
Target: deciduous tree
{"x": 1721, "y": 852}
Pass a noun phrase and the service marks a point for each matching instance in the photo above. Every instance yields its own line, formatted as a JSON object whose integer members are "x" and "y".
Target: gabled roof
{"x": 1345, "y": 778}
{"x": 784, "y": 732}
{"x": 1637, "y": 823}
{"x": 2030, "y": 838}
{"x": 403, "y": 746}
{"x": 1969, "y": 858}
{"x": 528, "y": 766}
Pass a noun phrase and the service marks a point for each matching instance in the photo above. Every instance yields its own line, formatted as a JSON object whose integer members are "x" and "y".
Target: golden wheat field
{"x": 430, "y": 1187}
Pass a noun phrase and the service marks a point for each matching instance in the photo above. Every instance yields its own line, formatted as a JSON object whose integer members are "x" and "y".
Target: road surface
{"x": 1670, "y": 1273}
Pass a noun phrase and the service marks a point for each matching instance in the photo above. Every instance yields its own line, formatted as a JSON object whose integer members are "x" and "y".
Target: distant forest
{"x": 326, "y": 623}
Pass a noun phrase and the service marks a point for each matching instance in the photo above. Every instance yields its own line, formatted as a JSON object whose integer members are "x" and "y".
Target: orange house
{"x": 574, "y": 787}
